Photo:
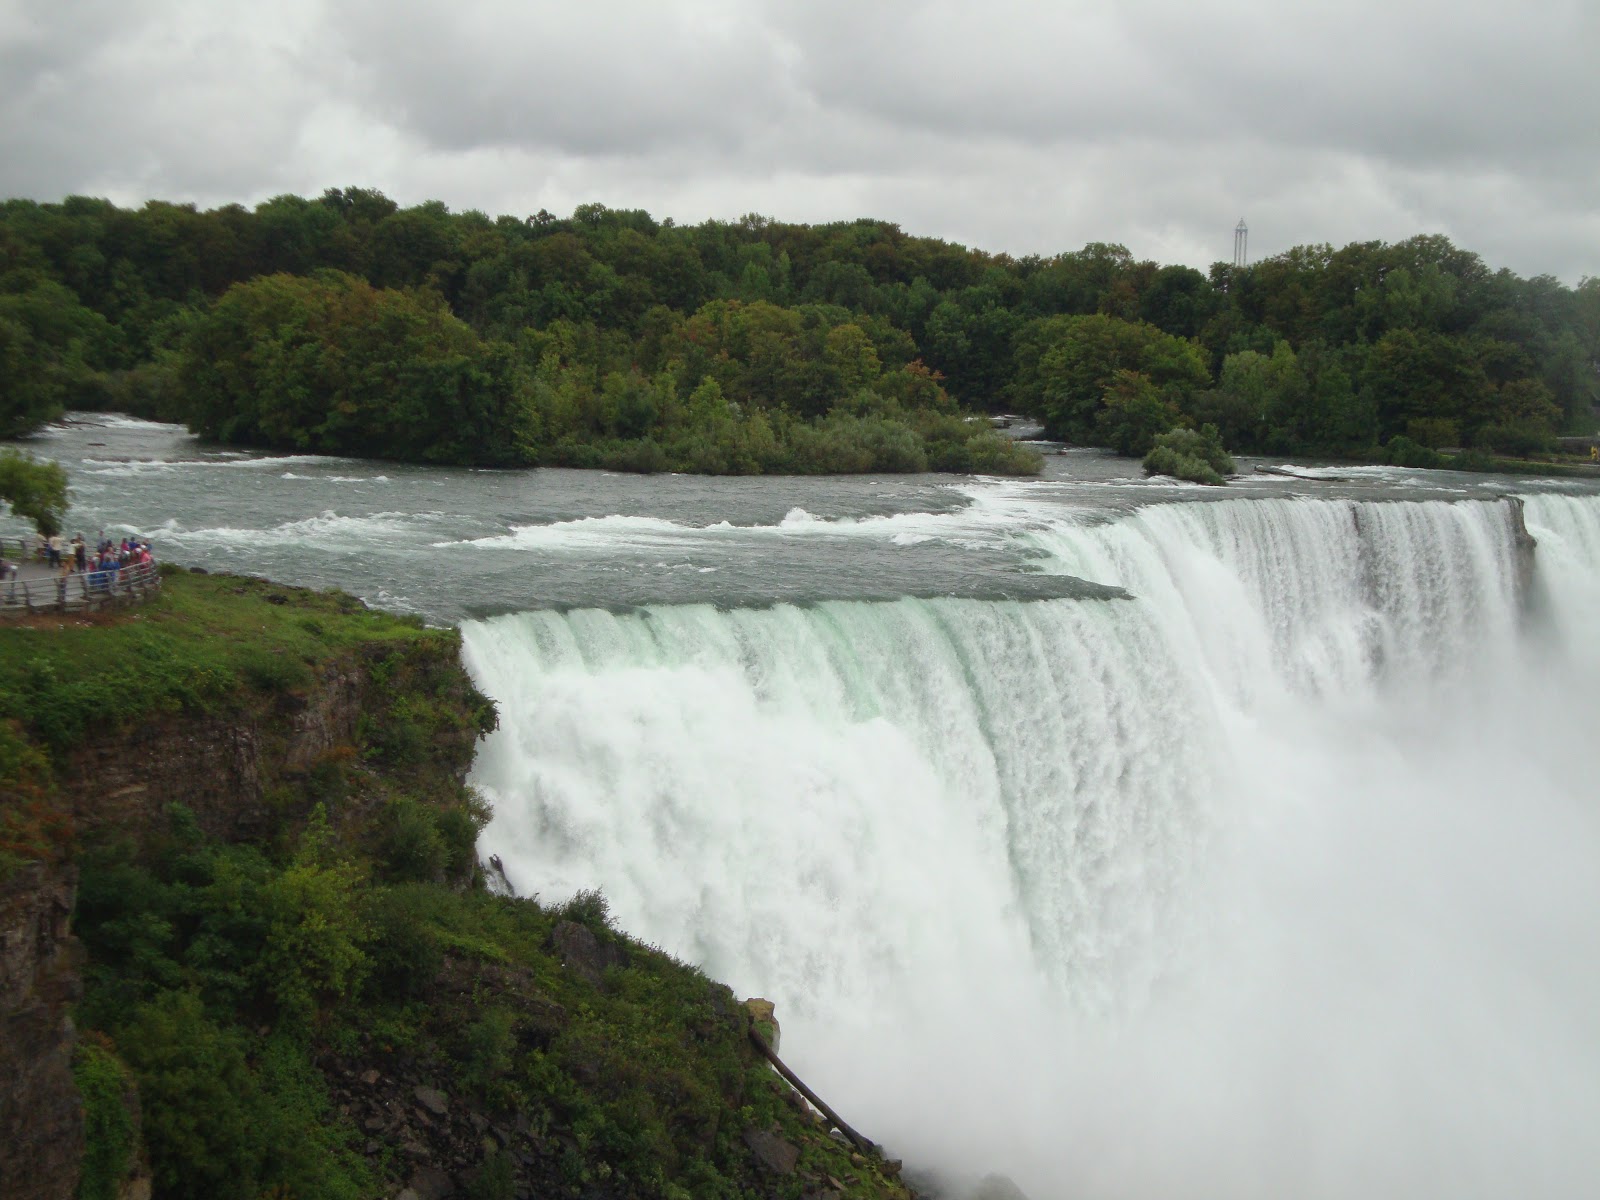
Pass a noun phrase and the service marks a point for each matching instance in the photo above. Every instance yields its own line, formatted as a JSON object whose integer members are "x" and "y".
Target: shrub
{"x": 588, "y": 906}
{"x": 403, "y": 946}
{"x": 105, "y": 1085}
{"x": 411, "y": 847}
{"x": 204, "y": 1116}
{"x": 1194, "y": 455}
{"x": 273, "y": 672}
{"x": 312, "y": 956}
{"x": 1512, "y": 439}
{"x": 1401, "y": 451}
{"x": 1433, "y": 432}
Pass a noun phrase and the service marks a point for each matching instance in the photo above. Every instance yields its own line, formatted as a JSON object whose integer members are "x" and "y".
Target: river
{"x": 1132, "y": 838}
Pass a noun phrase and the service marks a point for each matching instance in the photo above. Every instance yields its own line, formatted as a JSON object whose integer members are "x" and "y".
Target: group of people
{"x": 99, "y": 567}
{"x": 108, "y": 555}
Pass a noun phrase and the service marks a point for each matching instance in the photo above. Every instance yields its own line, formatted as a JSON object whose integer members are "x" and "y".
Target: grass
{"x": 206, "y": 644}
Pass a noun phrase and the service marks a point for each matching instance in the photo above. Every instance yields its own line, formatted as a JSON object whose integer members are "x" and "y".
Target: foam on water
{"x": 327, "y": 529}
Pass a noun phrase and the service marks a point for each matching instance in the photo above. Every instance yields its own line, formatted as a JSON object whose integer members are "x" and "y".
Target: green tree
{"x": 1079, "y": 358}
{"x": 333, "y": 365}
{"x": 1132, "y": 414}
{"x": 35, "y": 491}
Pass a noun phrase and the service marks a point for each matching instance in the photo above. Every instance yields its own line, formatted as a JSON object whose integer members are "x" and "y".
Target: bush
{"x": 312, "y": 957}
{"x": 411, "y": 848}
{"x": 204, "y": 1115}
{"x": 403, "y": 946}
{"x": 1511, "y": 439}
{"x": 1401, "y": 451}
{"x": 1194, "y": 455}
{"x": 105, "y": 1085}
{"x": 588, "y": 906}
{"x": 1433, "y": 432}
{"x": 273, "y": 673}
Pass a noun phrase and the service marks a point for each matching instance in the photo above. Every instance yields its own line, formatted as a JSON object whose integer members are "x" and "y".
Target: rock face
{"x": 583, "y": 954}
{"x": 41, "y": 1117}
{"x": 224, "y": 768}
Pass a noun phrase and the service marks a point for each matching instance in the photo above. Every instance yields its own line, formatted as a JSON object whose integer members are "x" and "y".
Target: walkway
{"x": 39, "y": 588}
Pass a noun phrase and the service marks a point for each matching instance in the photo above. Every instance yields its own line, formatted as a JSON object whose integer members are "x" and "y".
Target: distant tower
{"x": 1241, "y": 244}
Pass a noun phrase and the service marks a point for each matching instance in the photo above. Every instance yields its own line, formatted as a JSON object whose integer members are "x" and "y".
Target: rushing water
{"x": 1136, "y": 840}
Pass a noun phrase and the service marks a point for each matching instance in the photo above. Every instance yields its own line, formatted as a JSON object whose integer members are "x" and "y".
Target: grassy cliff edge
{"x": 294, "y": 982}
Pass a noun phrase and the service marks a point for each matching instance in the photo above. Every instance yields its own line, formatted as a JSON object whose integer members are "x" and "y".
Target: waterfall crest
{"x": 1274, "y": 878}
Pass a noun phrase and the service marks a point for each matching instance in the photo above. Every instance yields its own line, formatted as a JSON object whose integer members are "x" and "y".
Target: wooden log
{"x": 865, "y": 1145}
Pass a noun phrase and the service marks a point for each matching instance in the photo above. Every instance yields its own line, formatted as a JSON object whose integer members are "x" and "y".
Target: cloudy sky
{"x": 1028, "y": 126}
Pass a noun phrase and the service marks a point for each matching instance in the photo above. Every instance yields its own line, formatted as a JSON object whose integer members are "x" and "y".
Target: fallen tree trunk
{"x": 865, "y": 1145}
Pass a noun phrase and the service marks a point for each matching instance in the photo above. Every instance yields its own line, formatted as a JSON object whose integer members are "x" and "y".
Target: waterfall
{"x": 1275, "y": 878}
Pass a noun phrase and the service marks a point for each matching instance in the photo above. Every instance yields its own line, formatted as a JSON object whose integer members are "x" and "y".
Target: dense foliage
{"x": 1192, "y": 454}
{"x": 36, "y": 491}
{"x": 259, "y": 998}
{"x": 609, "y": 338}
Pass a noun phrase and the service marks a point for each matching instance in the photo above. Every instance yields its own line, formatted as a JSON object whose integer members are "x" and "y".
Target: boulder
{"x": 774, "y": 1153}
{"x": 764, "y": 1016}
{"x": 434, "y": 1101}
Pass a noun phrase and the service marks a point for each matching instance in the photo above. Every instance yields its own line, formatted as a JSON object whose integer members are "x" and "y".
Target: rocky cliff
{"x": 41, "y": 1119}
{"x": 291, "y": 981}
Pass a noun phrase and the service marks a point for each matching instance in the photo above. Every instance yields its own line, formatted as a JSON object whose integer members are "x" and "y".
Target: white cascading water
{"x": 1277, "y": 879}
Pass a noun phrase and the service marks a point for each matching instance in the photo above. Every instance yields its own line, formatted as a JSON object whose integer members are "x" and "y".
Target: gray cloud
{"x": 1010, "y": 125}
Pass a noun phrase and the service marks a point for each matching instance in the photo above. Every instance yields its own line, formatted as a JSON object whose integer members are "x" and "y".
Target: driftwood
{"x": 1288, "y": 474}
{"x": 865, "y": 1145}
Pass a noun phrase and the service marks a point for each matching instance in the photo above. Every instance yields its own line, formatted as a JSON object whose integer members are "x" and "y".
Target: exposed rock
{"x": 1525, "y": 546}
{"x": 431, "y": 1183}
{"x": 773, "y": 1151}
{"x": 434, "y": 1101}
{"x": 41, "y": 1116}
{"x": 584, "y": 954}
{"x": 764, "y": 1015}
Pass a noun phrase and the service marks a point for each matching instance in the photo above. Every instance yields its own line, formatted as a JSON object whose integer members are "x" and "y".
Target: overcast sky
{"x": 1028, "y": 126}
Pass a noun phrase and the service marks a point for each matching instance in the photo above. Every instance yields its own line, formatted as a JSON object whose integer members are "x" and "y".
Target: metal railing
{"x": 24, "y": 590}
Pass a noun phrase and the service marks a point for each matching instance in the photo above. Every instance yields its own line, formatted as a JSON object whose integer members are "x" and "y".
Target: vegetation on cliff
{"x": 610, "y": 338}
{"x": 299, "y": 985}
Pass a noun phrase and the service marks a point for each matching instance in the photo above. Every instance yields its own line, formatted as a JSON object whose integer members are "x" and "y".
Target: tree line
{"x": 347, "y": 324}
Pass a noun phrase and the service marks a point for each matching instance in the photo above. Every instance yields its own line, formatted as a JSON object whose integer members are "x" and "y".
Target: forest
{"x": 347, "y": 324}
